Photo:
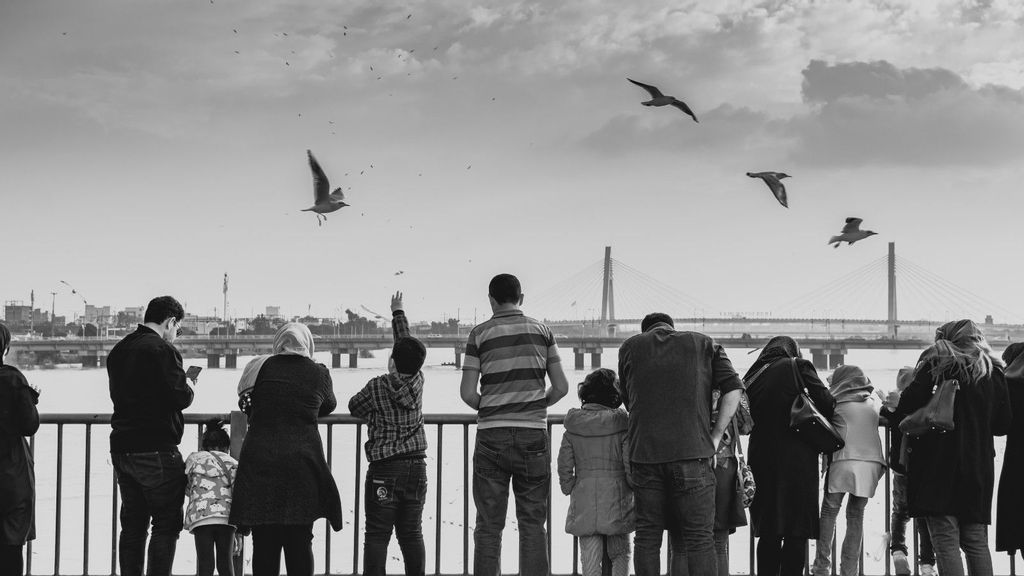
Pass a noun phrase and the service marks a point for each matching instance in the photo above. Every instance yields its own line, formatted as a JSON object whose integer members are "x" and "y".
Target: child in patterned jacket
{"x": 211, "y": 474}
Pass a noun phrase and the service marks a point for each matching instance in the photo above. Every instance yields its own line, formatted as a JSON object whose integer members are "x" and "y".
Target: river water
{"x": 75, "y": 390}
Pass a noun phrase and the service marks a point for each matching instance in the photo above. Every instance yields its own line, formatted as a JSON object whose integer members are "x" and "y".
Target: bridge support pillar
{"x": 212, "y": 360}
{"x": 595, "y": 356}
{"x": 231, "y": 361}
{"x": 353, "y": 359}
{"x": 458, "y": 360}
{"x": 335, "y": 359}
{"x": 103, "y": 361}
{"x": 90, "y": 361}
{"x": 835, "y": 360}
{"x": 579, "y": 360}
{"x": 595, "y": 359}
{"x": 820, "y": 359}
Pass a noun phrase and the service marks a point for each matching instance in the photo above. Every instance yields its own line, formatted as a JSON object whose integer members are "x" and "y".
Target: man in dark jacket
{"x": 666, "y": 378}
{"x": 149, "y": 391}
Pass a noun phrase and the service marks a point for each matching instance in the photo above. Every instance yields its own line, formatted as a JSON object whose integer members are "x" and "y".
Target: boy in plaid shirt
{"x": 396, "y": 446}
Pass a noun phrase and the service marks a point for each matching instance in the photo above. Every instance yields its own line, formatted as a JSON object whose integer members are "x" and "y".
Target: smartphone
{"x": 193, "y": 372}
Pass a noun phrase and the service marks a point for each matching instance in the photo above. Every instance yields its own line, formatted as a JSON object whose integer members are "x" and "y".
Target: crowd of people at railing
{"x": 652, "y": 450}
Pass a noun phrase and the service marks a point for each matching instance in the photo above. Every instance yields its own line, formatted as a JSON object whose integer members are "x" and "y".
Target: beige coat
{"x": 593, "y": 466}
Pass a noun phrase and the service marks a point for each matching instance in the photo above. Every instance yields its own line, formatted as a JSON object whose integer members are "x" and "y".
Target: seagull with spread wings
{"x": 851, "y": 233}
{"x": 324, "y": 202}
{"x": 773, "y": 180}
{"x": 659, "y": 99}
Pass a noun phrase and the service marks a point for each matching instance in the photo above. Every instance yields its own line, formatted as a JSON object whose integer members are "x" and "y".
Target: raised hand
{"x": 396, "y": 302}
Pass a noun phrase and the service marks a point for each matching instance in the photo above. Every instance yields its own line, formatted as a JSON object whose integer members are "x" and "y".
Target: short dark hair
{"x": 5, "y": 338}
{"x": 599, "y": 387}
{"x": 163, "y": 307}
{"x": 505, "y": 289}
{"x": 654, "y": 318}
{"x": 408, "y": 354}
{"x": 215, "y": 436}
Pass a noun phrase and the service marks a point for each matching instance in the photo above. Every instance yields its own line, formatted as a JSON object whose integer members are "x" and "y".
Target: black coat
{"x": 1010, "y": 502}
{"x": 785, "y": 467}
{"x": 18, "y": 419}
{"x": 282, "y": 475}
{"x": 952, "y": 473}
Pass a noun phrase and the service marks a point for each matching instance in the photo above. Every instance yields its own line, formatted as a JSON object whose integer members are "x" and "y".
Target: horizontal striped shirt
{"x": 512, "y": 352}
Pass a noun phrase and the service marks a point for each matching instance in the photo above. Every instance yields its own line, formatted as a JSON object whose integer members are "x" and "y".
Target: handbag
{"x": 807, "y": 421}
{"x": 745, "y": 485}
{"x": 936, "y": 415}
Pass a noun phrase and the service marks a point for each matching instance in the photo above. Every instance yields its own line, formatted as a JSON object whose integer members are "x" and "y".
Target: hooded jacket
{"x": 856, "y": 416}
{"x": 392, "y": 406}
{"x": 593, "y": 467}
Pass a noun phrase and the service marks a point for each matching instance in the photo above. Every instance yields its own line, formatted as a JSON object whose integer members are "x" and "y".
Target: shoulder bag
{"x": 937, "y": 414}
{"x": 745, "y": 485}
{"x": 808, "y": 422}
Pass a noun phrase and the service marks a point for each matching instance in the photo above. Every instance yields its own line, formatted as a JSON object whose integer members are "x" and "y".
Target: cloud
{"x": 824, "y": 83}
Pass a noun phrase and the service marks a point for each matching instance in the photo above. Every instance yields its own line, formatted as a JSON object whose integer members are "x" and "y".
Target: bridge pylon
{"x": 608, "y": 290}
{"x": 892, "y": 321}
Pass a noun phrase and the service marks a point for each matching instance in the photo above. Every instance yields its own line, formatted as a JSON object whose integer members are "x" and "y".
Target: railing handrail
{"x": 200, "y": 418}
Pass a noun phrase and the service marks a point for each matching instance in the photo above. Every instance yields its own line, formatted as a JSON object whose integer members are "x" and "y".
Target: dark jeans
{"x": 898, "y": 524}
{"x": 949, "y": 536}
{"x": 11, "y": 560}
{"x": 777, "y": 556}
{"x": 268, "y": 540}
{"x": 152, "y": 487}
{"x": 521, "y": 455}
{"x": 394, "y": 497}
{"x": 214, "y": 545}
{"x": 679, "y": 497}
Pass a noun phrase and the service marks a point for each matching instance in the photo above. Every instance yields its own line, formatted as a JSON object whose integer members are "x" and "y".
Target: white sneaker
{"x": 928, "y": 570}
{"x": 901, "y": 566}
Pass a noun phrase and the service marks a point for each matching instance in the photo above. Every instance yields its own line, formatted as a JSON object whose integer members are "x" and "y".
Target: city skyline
{"x": 151, "y": 148}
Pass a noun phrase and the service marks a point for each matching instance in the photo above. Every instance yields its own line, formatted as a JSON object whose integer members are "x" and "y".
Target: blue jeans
{"x": 949, "y": 536}
{"x": 152, "y": 487}
{"x": 852, "y": 543}
{"x": 394, "y": 497}
{"x": 523, "y": 456}
{"x": 678, "y": 497}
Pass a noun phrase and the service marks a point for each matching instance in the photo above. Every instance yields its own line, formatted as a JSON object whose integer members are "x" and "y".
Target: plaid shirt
{"x": 392, "y": 406}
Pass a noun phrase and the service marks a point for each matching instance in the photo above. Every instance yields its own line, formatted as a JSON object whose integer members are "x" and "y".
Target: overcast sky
{"x": 150, "y": 147}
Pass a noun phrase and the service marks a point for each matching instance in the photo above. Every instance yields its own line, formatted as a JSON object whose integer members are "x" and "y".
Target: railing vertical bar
{"x": 465, "y": 499}
{"x": 355, "y": 516}
{"x": 917, "y": 544}
{"x": 1013, "y": 564}
{"x": 115, "y": 493}
{"x": 28, "y": 548}
{"x": 548, "y": 531}
{"x": 327, "y": 523}
{"x": 437, "y": 509}
{"x": 575, "y": 555}
{"x": 60, "y": 478}
{"x": 88, "y": 470}
{"x": 888, "y": 497}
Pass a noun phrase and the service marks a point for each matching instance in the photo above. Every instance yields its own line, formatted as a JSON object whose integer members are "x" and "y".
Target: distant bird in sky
{"x": 659, "y": 99}
{"x": 400, "y": 272}
{"x": 773, "y": 180}
{"x": 851, "y": 233}
{"x": 324, "y": 201}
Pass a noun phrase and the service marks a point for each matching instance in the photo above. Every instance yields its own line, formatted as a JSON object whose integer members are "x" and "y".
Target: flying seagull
{"x": 851, "y": 233}
{"x": 659, "y": 99}
{"x": 773, "y": 180}
{"x": 324, "y": 201}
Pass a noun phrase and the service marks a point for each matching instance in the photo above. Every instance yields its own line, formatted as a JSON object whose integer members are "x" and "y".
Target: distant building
{"x": 201, "y": 325}
{"x": 17, "y": 315}
{"x": 274, "y": 312}
{"x": 99, "y": 315}
{"x": 131, "y": 316}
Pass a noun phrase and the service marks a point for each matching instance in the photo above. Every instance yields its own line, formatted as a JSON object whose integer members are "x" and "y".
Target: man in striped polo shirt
{"x": 509, "y": 356}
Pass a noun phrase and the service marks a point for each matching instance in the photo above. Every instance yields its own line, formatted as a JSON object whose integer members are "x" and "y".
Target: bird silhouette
{"x": 324, "y": 202}
{"x": 659, "y": 99}
{"x": 851, "y": 233}
{"x": 400, "y": 272}
{"x": 773, "y": 180}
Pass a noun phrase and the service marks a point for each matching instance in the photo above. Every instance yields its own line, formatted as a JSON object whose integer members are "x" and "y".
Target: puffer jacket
{"x": 593, "y": 469}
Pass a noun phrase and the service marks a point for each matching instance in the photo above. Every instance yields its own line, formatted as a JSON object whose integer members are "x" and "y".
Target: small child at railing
{"x": 211, "y": 474}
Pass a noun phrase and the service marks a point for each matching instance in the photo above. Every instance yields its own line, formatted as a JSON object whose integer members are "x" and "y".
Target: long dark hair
{"x": 215, "y": 436}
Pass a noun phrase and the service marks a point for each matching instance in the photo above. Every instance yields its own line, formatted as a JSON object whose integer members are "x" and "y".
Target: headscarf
{"x": 1014, "y": 358}
{"x": 777, "y": 348}
{"x": 291, "y": 339}
{"x": 849, "y": 384}
{"x": 961, "y": 351}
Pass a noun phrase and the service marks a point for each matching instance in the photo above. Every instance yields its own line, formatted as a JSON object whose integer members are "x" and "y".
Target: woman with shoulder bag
{"x": 784, "y": 513}
{"x": 950, "y": 475}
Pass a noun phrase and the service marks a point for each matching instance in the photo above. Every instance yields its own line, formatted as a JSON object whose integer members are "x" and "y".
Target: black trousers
{"x": 11, "y": 560}
{"x": 213, "y": 548}
{"x": 777, "y": 556}
{"x": 269, "y": 540}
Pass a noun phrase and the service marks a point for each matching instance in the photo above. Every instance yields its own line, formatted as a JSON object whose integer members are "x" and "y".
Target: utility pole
{"x": 53, "y": 311}
{"x": 31, "y": 309}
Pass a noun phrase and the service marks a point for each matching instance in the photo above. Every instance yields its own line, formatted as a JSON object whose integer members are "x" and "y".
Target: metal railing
{"x": 434, "y": 523}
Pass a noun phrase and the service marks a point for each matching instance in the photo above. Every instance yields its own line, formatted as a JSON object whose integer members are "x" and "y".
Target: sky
{"x": 151, "y": 147}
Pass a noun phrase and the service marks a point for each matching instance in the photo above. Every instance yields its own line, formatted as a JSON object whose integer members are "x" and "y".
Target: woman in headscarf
{"x": 854, "y": 469}
{"x": 784, "y": 513}
{"x": 950, "y": 475}
{"x": 1010, "y": 501}
{"x": 283, "y": 483}
{"x": 18, "y": 419}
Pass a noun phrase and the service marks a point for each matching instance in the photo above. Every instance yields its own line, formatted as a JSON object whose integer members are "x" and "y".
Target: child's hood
{"x": 596, "y": 420}
{"x": 406, "y": 390}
